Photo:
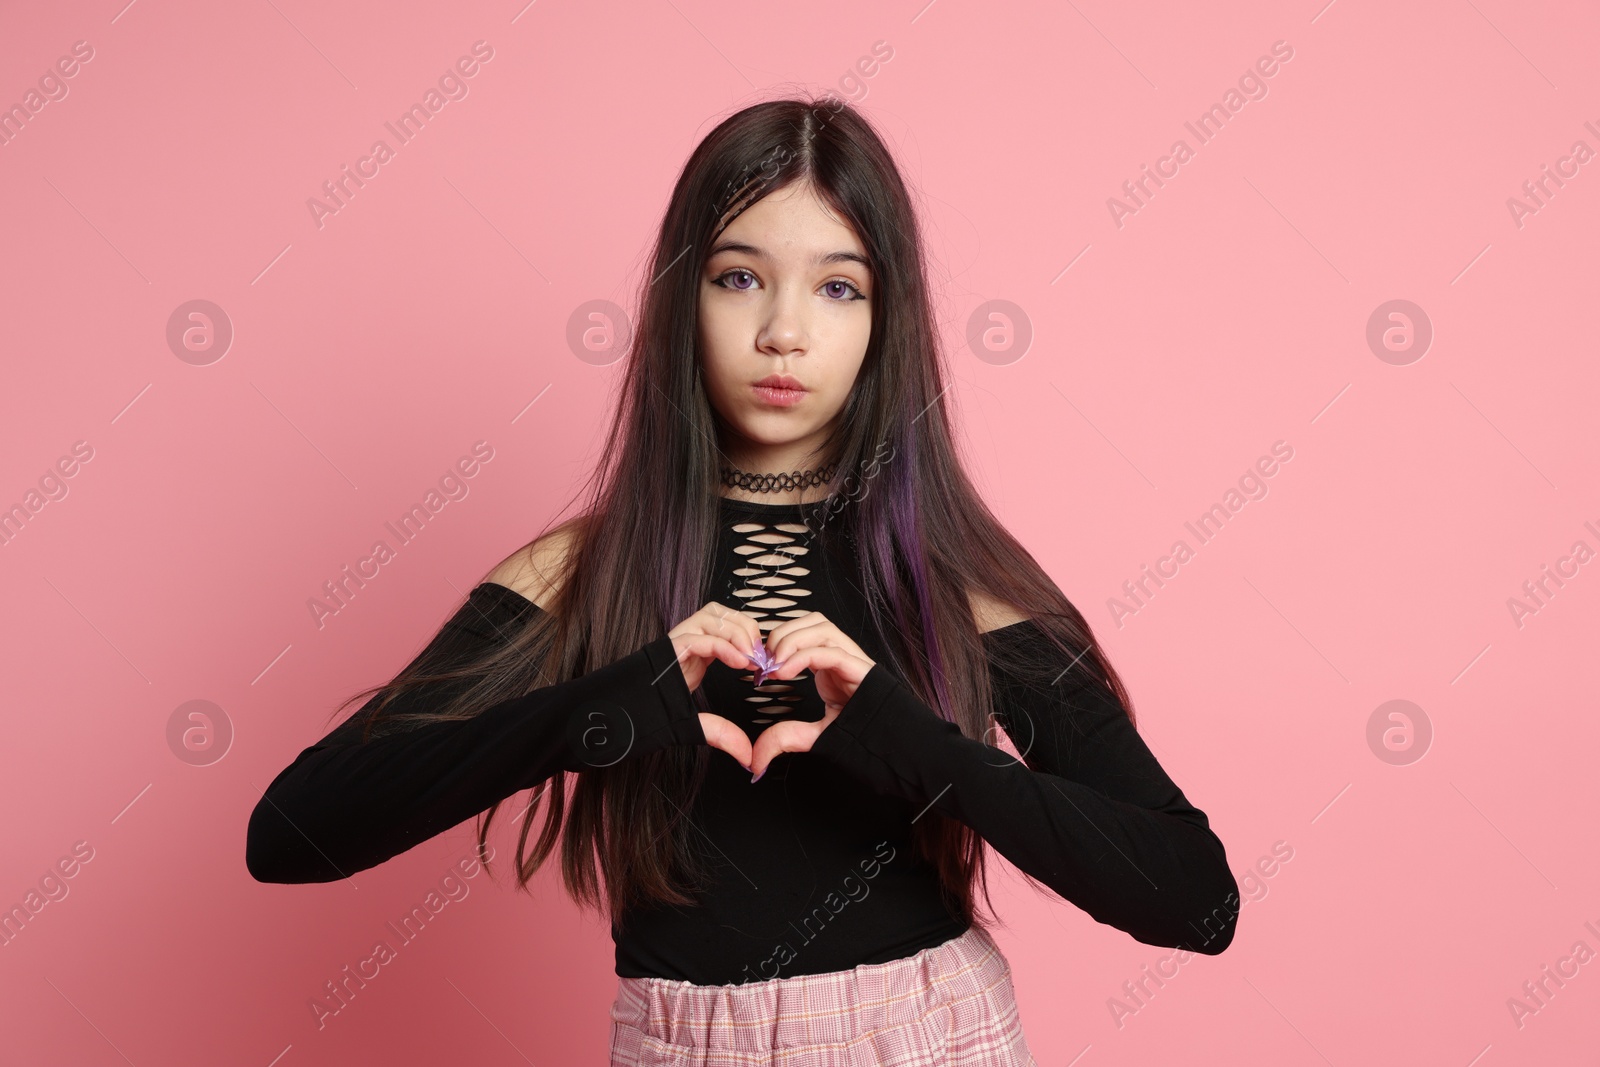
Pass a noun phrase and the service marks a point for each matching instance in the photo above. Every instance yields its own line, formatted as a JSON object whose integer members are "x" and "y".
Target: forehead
{"x": 793, "y": 224}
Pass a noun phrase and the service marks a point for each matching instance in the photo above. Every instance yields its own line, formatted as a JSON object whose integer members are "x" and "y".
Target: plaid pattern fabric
{"x": 947, "y": 1006}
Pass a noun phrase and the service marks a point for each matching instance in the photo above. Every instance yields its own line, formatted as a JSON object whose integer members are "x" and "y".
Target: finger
{"x": 789, "y": 626}
{"x": 818, "y": 637}
{"x": 732, "y": 624}
{"x": 736, "y": 743}
{"x": 709, "y": 646}
{"x": 822, "y": 632}
{"x": 825, "y": 657}
{"x": 734, "y": 615}
{"x": 773, "y": 742}
{"x": 726, "y": 736}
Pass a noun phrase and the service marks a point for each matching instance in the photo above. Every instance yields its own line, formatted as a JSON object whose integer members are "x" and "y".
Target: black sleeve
{"x": 346, "y": 804}
{"x": 1100, "y": 823}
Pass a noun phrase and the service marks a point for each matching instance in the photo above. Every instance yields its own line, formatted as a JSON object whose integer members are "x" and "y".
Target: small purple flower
{"x": 765, "y": 664}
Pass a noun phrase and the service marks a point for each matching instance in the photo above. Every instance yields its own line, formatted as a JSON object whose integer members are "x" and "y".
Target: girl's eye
{"x": 847, "y": 287}
{"x": 722, "y": 280}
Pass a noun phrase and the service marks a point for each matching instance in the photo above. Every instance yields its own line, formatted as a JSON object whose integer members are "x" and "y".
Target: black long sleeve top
{"x": 814, "y": 868}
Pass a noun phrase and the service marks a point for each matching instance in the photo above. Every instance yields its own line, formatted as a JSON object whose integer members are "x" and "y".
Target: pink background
{"x": 1168, "y": 354}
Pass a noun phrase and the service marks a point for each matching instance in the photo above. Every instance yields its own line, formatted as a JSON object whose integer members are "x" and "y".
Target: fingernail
{"x": 754, "y": 778}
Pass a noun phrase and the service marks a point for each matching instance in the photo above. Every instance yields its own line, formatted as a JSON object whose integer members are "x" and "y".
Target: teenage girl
{"x": 753, "y": 684}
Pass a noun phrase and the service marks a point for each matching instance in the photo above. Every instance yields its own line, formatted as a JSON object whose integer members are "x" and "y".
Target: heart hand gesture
{"x": 716, "y": 632}
{"x": 838, "y": 666}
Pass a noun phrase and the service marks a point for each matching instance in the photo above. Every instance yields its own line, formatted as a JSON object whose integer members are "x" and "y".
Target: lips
{"x": 779, "y": 390}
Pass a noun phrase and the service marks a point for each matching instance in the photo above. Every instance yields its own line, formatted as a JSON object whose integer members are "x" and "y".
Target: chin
{"x": 771, "y": 430}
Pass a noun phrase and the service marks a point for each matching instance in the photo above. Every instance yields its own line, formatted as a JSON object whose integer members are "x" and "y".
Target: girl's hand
{"x": 721, "y": 633}
{"x": 837, "y": 665}
{"x": 713, "y": 632}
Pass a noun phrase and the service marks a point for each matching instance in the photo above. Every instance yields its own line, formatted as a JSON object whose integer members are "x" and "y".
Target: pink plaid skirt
{"x": 952, "y": 1004}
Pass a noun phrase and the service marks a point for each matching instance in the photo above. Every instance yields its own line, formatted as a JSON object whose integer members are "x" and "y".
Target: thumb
{"x": 726, "y": 736}
{"x": 770, "y": 744}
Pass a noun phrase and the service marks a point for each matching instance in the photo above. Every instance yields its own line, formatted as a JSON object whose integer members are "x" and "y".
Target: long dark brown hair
{"x": 642, "y": 543}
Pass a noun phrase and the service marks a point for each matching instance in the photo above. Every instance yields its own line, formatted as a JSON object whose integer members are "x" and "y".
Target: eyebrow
{"x": 823, "y": 260}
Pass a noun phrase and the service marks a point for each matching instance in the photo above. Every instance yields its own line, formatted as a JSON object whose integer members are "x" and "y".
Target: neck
{"x": 809, "y": 495}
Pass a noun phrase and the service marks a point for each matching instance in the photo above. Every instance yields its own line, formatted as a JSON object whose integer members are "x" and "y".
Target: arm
{"x": 1101, "y": 824}
{"x": 346, "y": 804}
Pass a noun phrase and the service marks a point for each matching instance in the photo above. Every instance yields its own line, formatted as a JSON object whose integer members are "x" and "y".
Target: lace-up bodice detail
{"x": 770, "y": 586}
{"x": 772, "y": 566}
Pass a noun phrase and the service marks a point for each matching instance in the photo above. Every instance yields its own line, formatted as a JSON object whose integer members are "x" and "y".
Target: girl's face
{"x": 785, "y": 300}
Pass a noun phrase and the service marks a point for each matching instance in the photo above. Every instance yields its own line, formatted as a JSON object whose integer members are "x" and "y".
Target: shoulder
{"x": 991, "y": 614}
{"x": 536, "y": 569}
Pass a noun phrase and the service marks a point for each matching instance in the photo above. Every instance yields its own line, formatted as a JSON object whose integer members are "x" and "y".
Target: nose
{"x": 784, "y": 332}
